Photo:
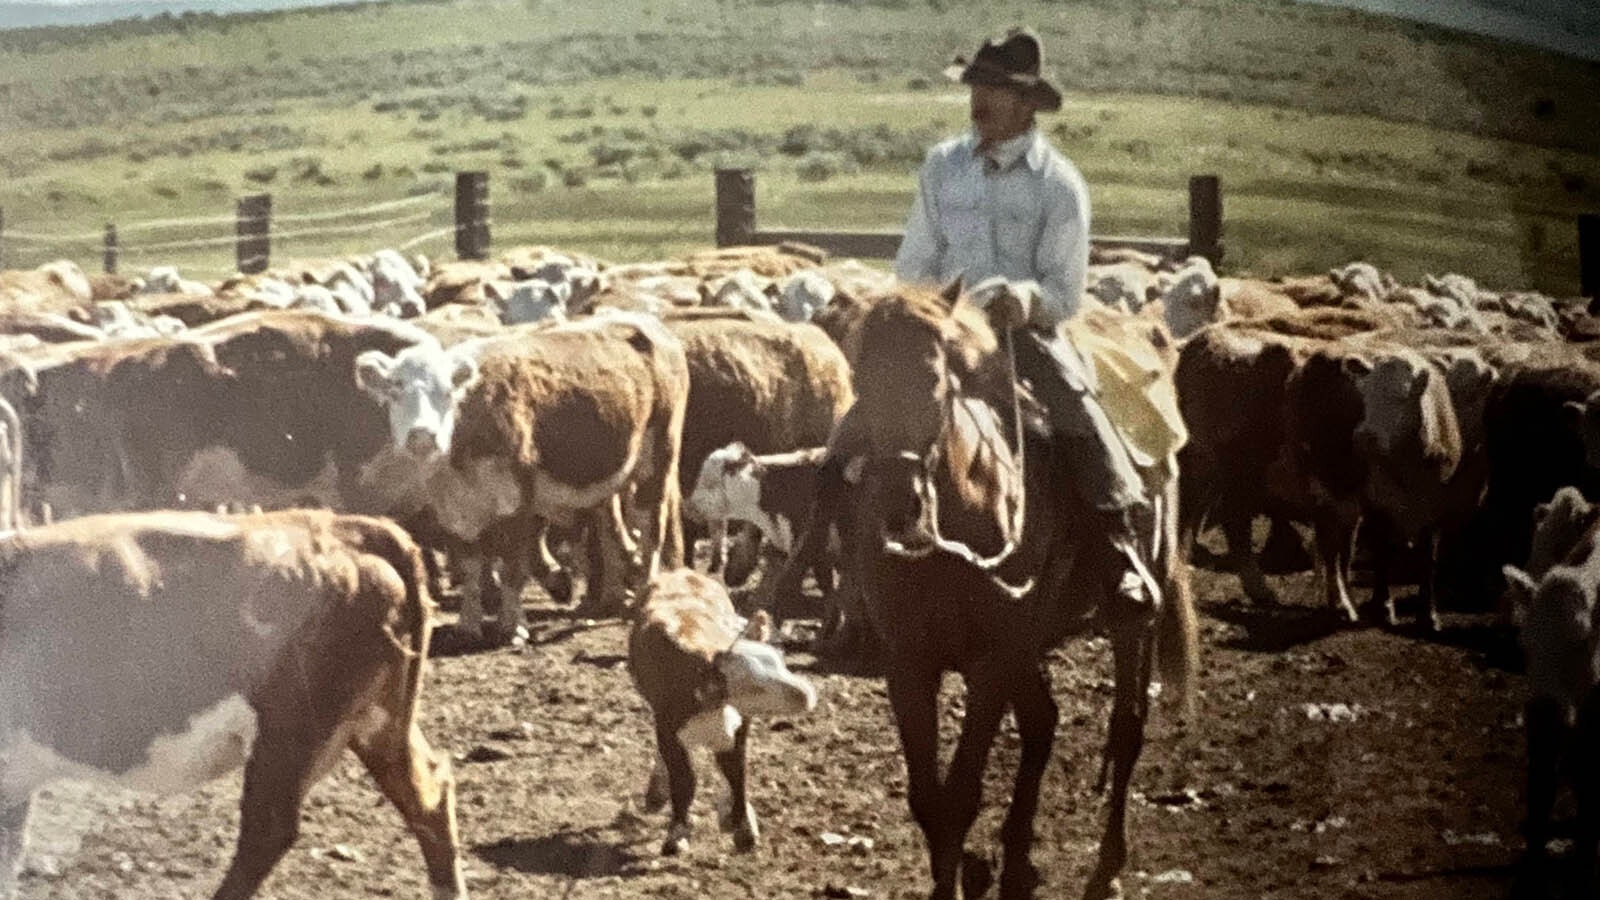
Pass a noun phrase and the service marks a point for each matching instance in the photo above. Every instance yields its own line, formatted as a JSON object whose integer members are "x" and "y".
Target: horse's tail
{"x": 1178, "y": 627}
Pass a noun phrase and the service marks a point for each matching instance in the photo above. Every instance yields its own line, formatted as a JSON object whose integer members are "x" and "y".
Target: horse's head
{"x": 934, "y": 398}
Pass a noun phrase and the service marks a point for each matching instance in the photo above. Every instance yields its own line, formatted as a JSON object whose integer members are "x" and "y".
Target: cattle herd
{"x": 228, "y": 508}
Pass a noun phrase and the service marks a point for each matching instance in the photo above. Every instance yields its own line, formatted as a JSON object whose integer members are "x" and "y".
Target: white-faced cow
{"x": 499, "y": 435}
{"x": 157, "y": 651}
{"x": 1558, "y": 615}
{"x": 704, "y": 672}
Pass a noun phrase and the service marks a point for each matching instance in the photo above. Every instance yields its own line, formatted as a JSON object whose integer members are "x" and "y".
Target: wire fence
{"x": 257, "y": 233}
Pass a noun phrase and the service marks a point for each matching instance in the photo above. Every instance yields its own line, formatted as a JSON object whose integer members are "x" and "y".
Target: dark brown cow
{"x": 493, "y": 437}
{"x": 704, "y": 671}
{"x": 160, "y": 650}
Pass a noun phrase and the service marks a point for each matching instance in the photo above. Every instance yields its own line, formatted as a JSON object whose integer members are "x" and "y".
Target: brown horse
{"x": 977, "y": 558}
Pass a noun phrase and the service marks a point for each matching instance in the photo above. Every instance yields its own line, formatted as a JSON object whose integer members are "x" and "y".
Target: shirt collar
{"x": 1028, "y": 146}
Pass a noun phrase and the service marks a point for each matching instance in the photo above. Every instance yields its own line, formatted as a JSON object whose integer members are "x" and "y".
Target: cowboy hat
{"x": 1010, "y": 61}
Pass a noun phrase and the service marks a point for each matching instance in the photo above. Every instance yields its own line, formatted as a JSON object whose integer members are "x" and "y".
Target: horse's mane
{"x": 962, "y": 329}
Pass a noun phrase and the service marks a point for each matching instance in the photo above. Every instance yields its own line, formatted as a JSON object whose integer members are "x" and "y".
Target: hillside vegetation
{"x": 1336, "y": 134}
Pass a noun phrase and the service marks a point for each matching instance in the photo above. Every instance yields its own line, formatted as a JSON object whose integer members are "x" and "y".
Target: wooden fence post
{"x": 472, "y": 215}
{"x": 111, "y": 249}
{"x": 1589, "y": 255}
{"x": 1205, "y": 217}
{"x": 736, "y": 207}
{"x": 253, "y": 228}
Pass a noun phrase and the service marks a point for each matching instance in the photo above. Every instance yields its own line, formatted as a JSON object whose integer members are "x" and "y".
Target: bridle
{"x": 928, "y": 494}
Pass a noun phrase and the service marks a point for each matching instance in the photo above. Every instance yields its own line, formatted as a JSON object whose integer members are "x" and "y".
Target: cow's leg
{"x": 1429, "y": 588}
{"x": 1132, "y": 647}
{"x": 1037, "y": 716}
{"x": 513, "y": 581}
{"x": 719, "y": 546}
{"x": 1545, "y": 733}
{"x": 475, "y": 570}
{"x": 1336, "y": 535}
{"x": 13, "y": 839}
{"x": 618, "y": 564}
{"x": 552, "y": 575}
{"x": 1586, "y": 787}
{"x": 1381, "y": 538}
{"x": 744, "y": 552}
{"x": 741, "y": 818}
{"x": 1283, "y": 553}
{"x": 680, "y": 784}
{"x": 418, "y": 781}
{"x": 1242, "y": 555}
{"x": 283, "y": 765}
{"x": 914, "y": 697}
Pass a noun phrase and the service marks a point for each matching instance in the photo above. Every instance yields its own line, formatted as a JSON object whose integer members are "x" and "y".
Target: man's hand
{"x": 1009, "y": 304}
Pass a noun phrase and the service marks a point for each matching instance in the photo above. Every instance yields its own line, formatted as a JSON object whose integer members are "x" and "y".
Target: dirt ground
{"x": 1325, "y": 763}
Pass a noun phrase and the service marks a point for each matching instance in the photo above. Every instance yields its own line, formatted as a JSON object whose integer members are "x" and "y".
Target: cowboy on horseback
{"x": 1005, "y": 212}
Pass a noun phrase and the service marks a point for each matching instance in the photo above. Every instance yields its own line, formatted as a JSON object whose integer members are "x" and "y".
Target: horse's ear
{"x": 951, "y": 292}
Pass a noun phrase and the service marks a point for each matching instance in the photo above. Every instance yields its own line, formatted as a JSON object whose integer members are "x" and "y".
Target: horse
{"x": 977, "y": 557}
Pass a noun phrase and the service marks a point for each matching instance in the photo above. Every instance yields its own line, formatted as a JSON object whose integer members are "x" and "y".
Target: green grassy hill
{"x": 1337, "y": 135}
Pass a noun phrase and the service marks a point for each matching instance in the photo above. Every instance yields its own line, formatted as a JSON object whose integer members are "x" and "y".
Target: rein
{"x": 929, "y": 494}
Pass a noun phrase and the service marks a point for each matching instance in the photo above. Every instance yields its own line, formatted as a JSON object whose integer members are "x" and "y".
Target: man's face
{"x": 999, "y": 113}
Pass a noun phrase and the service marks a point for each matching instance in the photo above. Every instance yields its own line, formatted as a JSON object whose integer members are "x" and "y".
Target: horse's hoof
{"x": 674, "y": 846}
{"x": 745, "y": 839}
{"x": 1109, "y": 889}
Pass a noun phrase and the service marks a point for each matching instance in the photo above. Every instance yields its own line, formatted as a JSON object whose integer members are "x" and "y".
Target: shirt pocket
{"x": 961, "y": 218}
{"x": 1018, "y": 220}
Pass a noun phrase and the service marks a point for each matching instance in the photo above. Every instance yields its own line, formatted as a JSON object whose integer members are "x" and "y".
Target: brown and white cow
{"x": 496, "y": 436}
{"x": 773, "y": 386}
{"x": 256, "y": 409}
{"x": 705, "y": 671}
{"x": 157, "y": 651}
{"x": 1373, "y": 431}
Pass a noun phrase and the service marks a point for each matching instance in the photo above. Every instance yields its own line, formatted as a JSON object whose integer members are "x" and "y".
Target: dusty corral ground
{"x": 1325, "y": 763}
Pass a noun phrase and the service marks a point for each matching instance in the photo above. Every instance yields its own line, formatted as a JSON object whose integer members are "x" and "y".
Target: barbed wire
{"x": 365, "y": 210}
{"x": 158, "y": 224}
{"x": 142, "y": 251}
{"x": 424, "y": 238}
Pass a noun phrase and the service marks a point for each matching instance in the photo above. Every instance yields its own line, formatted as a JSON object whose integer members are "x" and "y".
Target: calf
{"x": 159, "y": 650}
{"x": 773, "y": 492}
{"x": 704, "y": 670}
{"x": 1560, "y": 636}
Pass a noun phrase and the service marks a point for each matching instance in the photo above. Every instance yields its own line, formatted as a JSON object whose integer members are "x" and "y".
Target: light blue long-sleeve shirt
{"x": 1025, "y": 220}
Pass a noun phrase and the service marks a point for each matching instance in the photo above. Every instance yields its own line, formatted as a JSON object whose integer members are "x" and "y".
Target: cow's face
{"x": 728, "y": 486}
{"x": 1556, "y": 618}
{"x": 529, "y": 301}
{"x": 756, "y": 680}
{"x": 1391, "y": 398}
{"x": 420, "y": 388}
{"x": 1191, "y": 302}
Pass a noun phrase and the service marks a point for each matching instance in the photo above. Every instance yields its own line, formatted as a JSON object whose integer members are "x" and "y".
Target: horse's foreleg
{"x": 989, "y": 689}
{"x": 1037, "y": 716}
{"x": 914, "y": 697}
{"x": 1132, "y": 644}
